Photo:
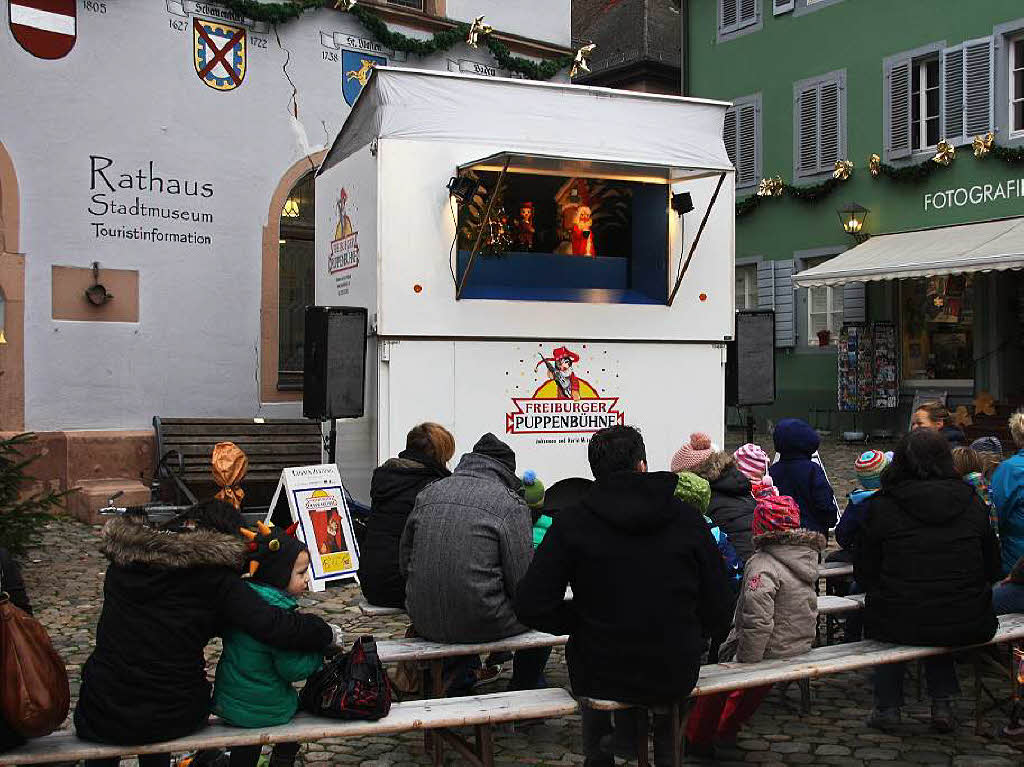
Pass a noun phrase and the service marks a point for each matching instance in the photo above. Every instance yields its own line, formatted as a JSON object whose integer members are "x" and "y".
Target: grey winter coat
{"x": 777, "y": 609}
{"x": 466, "y": 545}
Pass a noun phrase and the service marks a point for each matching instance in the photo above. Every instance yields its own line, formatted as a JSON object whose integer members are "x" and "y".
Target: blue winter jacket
{"x": 797, "y": 476}
{"x": 850, "y": 524}
{"x": 1007, "y": 493}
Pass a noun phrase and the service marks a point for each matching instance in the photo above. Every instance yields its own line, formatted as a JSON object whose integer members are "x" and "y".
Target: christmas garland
{"x": 776, "y": 187}
{"x": 439, "y": 42}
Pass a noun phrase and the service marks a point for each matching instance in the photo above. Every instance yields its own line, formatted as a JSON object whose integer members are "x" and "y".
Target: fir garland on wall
{"x": 439, "y": 42}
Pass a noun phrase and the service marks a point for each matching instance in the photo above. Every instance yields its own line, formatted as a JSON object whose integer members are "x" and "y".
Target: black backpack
{"x": 350, "y": 685}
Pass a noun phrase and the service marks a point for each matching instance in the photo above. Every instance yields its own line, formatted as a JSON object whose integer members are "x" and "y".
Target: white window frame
{"x": 835, "y": 303}
{"x": 749, "y": 276}
{"x": 918, "y": 70}
{"x": 749, "y": 105}
{"x": 830, "y": 314}
{"x": 1013, "y": 65}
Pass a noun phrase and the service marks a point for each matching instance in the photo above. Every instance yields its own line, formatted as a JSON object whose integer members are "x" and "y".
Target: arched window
{"x": 295, "y": 281}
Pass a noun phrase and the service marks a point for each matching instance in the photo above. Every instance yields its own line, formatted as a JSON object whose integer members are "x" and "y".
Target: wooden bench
{"x": 376, "y": 610}
{"x": 184, "y": 447}
{"x": 437, "y": 716}
{"x": 821, "y": 661}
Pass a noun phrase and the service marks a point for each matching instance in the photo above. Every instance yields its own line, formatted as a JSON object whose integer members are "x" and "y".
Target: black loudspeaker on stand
{"x": 334, "y": 372}
{"x": 750, "y": 364}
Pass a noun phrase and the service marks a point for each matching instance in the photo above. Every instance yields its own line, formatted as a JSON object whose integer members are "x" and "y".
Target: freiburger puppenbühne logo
{"x": 564, "y": 403}
{"x": 345, "y": 245}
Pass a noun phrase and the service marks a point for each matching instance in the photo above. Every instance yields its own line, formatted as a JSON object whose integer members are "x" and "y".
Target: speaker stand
{"x": 331, "y": 441}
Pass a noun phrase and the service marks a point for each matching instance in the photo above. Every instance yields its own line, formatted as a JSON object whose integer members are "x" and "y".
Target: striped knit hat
{"x": 693, "y": 453}
{"x": 775, "y": 514}
{"x": 869, "y": 469}
{"x": 752, "y": 461}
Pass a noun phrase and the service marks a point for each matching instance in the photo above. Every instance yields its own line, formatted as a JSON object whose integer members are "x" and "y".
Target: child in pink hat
{"x": 693, "y": 453}
{"x": 752, "y": 462}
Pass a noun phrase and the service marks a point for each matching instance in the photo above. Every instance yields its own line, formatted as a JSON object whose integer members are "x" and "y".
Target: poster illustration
{"x": 345, "y": 245}
{"x": 316, "y": 499}
{"x": 563, "y": 403}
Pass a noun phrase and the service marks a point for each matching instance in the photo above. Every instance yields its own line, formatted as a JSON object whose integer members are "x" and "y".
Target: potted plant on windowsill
{"x": 824, "y": 337}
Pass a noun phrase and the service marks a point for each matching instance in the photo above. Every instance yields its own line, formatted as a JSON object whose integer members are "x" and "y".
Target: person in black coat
{"x": 165, "y": 595}
{"x": 732, "y": 505}
{"x": 927, "y": 558}
{"x": 14, "y": 586}
{"x": 648, "y": 586}
{"x": 393, "y": 491}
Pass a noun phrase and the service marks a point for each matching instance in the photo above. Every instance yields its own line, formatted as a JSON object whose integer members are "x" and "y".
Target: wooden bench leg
{"x": 643, "y": 743}
{"x": 432, "y": 742}
{"x": 677, "y": 714}
{"x": 485, "y": 744}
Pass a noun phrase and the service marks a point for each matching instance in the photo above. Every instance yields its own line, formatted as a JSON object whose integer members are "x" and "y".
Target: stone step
{"x": 92, "y": 494}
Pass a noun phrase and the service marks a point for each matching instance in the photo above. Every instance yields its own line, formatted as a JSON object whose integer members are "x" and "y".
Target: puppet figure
{"x": 576, "y": 219}
{"x": 524, "y": 227}
{"x": 582, "y": 233}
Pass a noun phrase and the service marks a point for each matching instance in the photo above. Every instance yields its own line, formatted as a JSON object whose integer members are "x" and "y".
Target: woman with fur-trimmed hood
{"x": 776, "y": 617}
{"x": 166, "y": 594}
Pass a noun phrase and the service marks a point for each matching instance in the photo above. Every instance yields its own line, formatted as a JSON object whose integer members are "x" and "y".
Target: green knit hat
{"x": 694, "y": 490}
{"x": 533, "y": 489}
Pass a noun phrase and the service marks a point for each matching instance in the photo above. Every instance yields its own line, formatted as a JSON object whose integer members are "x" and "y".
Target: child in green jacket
{"x": 254, "y": 681}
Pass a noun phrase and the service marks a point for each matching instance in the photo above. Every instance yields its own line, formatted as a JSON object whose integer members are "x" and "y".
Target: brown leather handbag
{"x": 36, "y": 697}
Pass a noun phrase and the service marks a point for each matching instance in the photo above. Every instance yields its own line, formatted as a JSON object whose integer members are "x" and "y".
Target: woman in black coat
{"x": 165, "y": 595}
{"x": 927, "y": 559}
{"x": 12, "y": 584}
{"x": 393, "y": 491}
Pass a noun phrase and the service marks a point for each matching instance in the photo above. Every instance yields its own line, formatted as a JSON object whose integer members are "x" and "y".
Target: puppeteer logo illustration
{"x": 324, "y": 511}
{"x": 564, "y": 403}
{"x": 355, "y": 72}
{"x": 344, "y": 246}
{"x": 219, "y": 52}
{"x": 45, "y": 28}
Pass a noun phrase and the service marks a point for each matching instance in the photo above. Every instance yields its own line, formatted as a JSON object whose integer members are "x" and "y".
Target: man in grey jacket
{"x": 465, "y": 547}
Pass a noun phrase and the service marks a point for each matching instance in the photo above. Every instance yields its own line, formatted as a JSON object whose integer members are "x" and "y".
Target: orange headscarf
{"x": 229, "y": 466}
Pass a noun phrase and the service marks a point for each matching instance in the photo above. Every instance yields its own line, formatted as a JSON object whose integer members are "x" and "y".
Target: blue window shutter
{"x": 729, "y": 136}
{"x": 775, "y": 291}
{"x": 854, "y": 302}
{"x": 978, "y": 71}
{"x": 746, "y": 159}
{"x": 807, "y": 126}
{"x": 829, "y": 125}
{"x": 952, "y": 109}
{"x": 898, "y": 109}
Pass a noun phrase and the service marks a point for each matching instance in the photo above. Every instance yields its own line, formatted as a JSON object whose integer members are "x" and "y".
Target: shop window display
{"x": 558, "y": 238}
{"x": 937, "y": 319}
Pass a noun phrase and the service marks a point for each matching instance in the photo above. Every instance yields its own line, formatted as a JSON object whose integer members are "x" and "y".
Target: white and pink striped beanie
{"x": 752, "y": 462}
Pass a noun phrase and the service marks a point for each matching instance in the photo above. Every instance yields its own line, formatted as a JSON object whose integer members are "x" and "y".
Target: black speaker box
{"x": 750, "y": 360}
{"x": 334, "y": 373}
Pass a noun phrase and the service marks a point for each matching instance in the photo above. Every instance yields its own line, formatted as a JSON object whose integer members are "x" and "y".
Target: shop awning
{"x": 982, "y": 247}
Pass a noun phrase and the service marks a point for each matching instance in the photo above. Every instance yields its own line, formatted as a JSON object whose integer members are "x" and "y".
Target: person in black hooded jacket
{"x": 648, "y": 586}
{"x": 393, "y": 491}
{"x": 732, "y": 505}
{"x": 927, "y": 558}
{"x": 165, "y": 595}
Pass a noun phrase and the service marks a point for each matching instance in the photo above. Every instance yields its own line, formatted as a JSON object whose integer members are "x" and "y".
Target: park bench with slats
{"x": 437, "y": 716}
{"x": 184, "y": 447}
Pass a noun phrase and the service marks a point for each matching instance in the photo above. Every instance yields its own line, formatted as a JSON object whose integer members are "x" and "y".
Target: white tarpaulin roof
{"x": 531, "y": 117}
{"x": 982, "y": 247}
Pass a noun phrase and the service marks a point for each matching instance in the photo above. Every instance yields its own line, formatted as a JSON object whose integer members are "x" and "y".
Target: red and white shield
{"x": 44, "y": 28}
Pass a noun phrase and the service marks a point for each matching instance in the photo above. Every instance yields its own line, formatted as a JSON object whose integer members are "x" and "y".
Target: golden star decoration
{"x": 984, "y": 404}
{"x": 843, "y": 170}
{"x": 945, "y": 153}
{"x": 960, "y": 417}
{"x": 770, "y": 187}
{"x": 875, "y": 165}
{"x": 476, "y": 29}
{"x": 581, "y": 62}
{"x": 983, "y": 144}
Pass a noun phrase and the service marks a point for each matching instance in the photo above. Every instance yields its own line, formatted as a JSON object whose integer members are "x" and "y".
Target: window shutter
{"x": 953, "y": 95}
{"x": 783, "y": 6}
{"x": 746, "y": 168}
{"x": 729, "y": 136}
{"x": 854, "y": 302}
{"x": 977, "y": 87}
{"x": 807, "y": 126}
{"x": 897, "y": 88}
{"x": 728, "y": 13}
{"x": 748, "y": 11}
{"x": 775, "y": 291}
{"x": 828, "y": 125}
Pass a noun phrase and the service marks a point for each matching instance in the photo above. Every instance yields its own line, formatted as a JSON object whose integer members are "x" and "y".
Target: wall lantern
{"x": 291, "y": 208}
{"x": 97, "y": 295}
{"x": 853, "y": 217}
{"x": 3, "y": 316}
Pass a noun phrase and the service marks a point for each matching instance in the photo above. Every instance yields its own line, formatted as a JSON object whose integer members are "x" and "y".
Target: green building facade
{"x": 816, "y": 81}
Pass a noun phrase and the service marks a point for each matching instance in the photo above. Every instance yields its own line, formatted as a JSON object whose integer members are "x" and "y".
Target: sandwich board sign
{"x": 316, "y": 499}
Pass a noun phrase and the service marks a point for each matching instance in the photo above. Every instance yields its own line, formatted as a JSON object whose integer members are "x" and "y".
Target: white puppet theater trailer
{"x": 584, "y": 299}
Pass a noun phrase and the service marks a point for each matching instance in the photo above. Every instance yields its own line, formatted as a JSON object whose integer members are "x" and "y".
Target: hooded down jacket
{"x": 732, "y": 506}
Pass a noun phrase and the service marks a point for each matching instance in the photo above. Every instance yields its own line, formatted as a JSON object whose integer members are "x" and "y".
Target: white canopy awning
{"x": 531, "y": 118}
{"x": 982, "y": 247}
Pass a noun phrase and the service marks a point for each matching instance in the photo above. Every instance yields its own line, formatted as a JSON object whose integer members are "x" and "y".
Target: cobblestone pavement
{"x": 64, "y": 578}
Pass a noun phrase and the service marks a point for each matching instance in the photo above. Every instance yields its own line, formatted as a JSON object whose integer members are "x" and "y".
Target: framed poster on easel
{"x": 316, "y": 499}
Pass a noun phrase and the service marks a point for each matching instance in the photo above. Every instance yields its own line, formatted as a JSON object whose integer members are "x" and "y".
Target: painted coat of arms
{"x": 219, "y": 52}
{"x": 355, "y": 71}
{"x": 45, "y": 28}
